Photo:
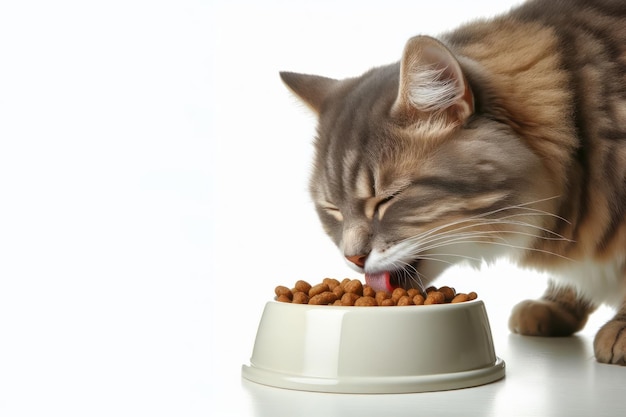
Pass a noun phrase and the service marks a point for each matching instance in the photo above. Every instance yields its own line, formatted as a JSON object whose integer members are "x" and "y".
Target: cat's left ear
{"x": 432, "y": 82}
{"x": 312, "y": 89}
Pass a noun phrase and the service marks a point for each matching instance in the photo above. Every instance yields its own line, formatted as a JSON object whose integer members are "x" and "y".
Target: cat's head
{"x": 413, "y": 172}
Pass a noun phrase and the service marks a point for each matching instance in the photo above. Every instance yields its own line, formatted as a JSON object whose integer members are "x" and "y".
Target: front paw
{"x": 543, "y": 318}
{"x": 610, "y": 343}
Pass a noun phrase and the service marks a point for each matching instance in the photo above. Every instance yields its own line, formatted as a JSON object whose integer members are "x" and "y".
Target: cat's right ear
{"x": 432, "y": 83}
{"x": 312, "y": 89}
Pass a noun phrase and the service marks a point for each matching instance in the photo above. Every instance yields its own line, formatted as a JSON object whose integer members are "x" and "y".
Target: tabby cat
{"x": 503, "y": 138}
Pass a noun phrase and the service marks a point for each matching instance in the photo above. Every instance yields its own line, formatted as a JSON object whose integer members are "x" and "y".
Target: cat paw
{"x": 543, "y": 318}
{"x": 610, "y": 343}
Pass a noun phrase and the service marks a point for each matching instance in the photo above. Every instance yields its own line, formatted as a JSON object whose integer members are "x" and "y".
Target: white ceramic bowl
{"x": 374, "y": 349}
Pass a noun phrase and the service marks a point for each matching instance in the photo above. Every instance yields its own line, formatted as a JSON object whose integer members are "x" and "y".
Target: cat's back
{"x": 563, "y": 61}
{"x": 572, "y": 22}
{"x": 575, "y": 22}
{"x": 561, "y": 11}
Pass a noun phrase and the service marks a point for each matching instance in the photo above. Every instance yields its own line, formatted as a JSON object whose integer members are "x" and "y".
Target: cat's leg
{"x": 610, "y": 342}
{"x": 559, "y": 312}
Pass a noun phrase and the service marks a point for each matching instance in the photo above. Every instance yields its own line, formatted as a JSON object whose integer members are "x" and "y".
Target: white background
{"x": 153, "y": 191}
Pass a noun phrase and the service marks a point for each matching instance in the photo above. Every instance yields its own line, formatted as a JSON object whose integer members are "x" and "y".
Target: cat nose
{"x": 358, "y": 260}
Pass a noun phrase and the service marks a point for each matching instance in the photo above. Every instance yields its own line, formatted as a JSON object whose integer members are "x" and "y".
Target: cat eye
{"x": 381, "y": 205}
{"x": 384, "y": 201}
{"x": 332, "y": 210}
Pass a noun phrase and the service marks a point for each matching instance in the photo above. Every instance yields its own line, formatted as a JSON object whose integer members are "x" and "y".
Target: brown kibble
{"x": 405, "y": 300}
{"x": 352, "y": 292}
{"x": 397, "y": 293}
{"x": 348, "y": 299}
{"x": 331, "y": 282}
{"x": 368, "y": 291}
{"x": 303, "y": 286}
{"x": 355, "y": 287}
{"x": 435, "y": 297}
{"x": 381, "y": 296}
{"x": 418, "y": 300}
{"x": 448, "y": 293}
{"x": 339, "y": 292}
{"x": 300, "y": 298}
{"x": 318, "y": 289}
{"x": 365, "y": 302}
{"x": 412, "y": 292}
{"x": 327, "y": 297}
{"x": 283, "y": 298}
{"x": 460, "y": 298}
{"x": 345, "y": 282}
{"x": 283, "y": 291}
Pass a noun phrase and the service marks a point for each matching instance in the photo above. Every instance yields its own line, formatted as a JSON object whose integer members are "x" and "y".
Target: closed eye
{"x": 380, "y": 205}
{"x": 384, "y": 201}
{"x": 332, "y": 210}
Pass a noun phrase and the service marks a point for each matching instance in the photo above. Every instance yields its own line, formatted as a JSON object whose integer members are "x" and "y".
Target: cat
{"x": 503, "y": 138}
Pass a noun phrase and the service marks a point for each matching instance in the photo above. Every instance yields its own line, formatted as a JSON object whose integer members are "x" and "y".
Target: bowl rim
{"x": 369, "y": 308}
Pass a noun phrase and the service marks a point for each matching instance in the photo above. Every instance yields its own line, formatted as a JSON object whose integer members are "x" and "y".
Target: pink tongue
{"x": 380, "y": 281}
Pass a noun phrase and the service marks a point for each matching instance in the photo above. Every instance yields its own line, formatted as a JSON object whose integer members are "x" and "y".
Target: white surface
{"x": 153, "y": 192}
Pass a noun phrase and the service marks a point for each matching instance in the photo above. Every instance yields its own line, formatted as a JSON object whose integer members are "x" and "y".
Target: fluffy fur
{"x": 505, "y": 137}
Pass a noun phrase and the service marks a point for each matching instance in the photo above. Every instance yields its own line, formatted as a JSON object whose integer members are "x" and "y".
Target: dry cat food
{"x": 351, "y": 292}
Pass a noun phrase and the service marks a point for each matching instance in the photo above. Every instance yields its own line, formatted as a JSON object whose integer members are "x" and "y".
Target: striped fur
{"x": 505, "y": 137}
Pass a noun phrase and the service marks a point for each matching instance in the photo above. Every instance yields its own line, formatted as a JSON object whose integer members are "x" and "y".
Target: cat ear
{"x": 312, "y": 89}
{"x": 431, "y": 82}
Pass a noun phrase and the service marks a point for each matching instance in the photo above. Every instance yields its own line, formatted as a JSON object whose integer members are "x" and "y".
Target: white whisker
{"x": 471, "y": 230}
{"x": 432, "y": 257}
{"x": 511, "y": 227}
